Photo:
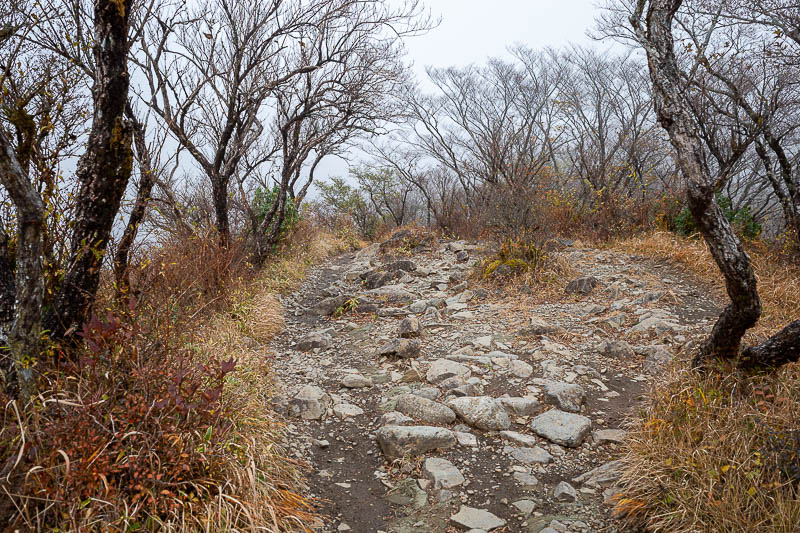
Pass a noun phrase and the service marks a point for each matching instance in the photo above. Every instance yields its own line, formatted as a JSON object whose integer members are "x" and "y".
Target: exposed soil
{"x": 361, "y": 490}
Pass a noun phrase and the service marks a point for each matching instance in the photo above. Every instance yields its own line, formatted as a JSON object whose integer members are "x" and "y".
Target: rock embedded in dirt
{"x": 462, "y": 256}
{"x": 431, "y": 393}
{"x": 602, "y": 436}
{"x": 583, "y": 285}
{"x": 467, "y": 440}
{"x": 539, "y": 326}
{"x": 566, "y": 429}
{"x": 525, "y": 479}
{"x": 409, "y": 328}
{"x": 314, "y": 340}
{"x": 519, "y": 406}
{"x": 329, "y": 306}
{"x": 657, "y": 358}
{"x": 564, "y": 492}
{"x": 442, "y": 369}
{"x": 616, "y": 349}
{"x": 482, "y": 412}
{"x": 519, "y": 438}
{"x": 310, "y": 403}
{"x": 395, "y": 418}
{"x": 346, "y": 410}
{"x": 425, "y": 410}
{"x": 525, "y": 507}
{"x": 520, "y": 369}
{"x": 442, "y": 473}
{"x": 398, "y": 441}
{"x": 603, "y": 476}
{"x": 471, "y": 518}
{"x": 356, "y": 381}
{"x": 405, "y": 265}
{"x": 527, "y": 456}
{"x": 402, "y": 348}
{"x": 565, "y": 396}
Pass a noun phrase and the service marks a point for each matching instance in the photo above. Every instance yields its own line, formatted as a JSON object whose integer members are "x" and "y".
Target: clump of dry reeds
{"x": 716, "y": 452}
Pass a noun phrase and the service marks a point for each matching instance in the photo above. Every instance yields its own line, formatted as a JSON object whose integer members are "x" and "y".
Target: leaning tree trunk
{"x": 146, "y": 182}
{"x": 673, "y": 112}
{"x": 103, "y": 171}
{"x": 24, "y": 338}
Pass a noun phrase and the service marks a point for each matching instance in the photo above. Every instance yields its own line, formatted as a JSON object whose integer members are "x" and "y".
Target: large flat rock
{"x": 566, "y": 429}
{"x": 398, "y": 441}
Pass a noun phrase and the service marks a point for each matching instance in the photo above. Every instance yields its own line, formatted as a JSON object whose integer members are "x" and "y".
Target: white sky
{"x": 473, "y": 30}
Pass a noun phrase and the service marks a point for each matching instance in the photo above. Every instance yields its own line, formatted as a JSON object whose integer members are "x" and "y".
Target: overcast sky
{"x": 473, "y": 30}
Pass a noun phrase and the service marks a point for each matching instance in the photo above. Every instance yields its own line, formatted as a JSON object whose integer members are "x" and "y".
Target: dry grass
{"x": 719, "y": 451}
{"x": 716, "y": 453}
{"x": 778, "y": 279}
{"x": 127, "y": 442}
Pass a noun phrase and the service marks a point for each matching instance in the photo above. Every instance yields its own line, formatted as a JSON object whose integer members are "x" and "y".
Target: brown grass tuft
{"x": 718, "y": 453}
{"x": 778, "y": 279}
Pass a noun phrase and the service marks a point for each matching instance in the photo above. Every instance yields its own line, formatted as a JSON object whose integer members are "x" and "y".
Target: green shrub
{"x": 263, "y": 202}
{"x": 742, "y": 219}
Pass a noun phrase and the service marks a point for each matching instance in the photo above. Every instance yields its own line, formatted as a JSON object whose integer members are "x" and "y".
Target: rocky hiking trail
{"x": 425, "y": 403}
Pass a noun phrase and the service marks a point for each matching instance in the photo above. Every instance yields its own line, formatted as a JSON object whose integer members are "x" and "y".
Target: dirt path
{"x": 487, "y": 416}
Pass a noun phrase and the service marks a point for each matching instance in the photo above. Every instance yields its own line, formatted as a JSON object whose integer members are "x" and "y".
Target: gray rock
{"x": 356, "y": 381}
{"x": 565, "y": 396}
{"x": 525, "y": 507}
{"x": 393, "y": 294}
{"x": 616, "y": 349}
{"x": 539, "y": 326}
{"x": 442, "y": 473}
{"x": 525, "y": 479}
{"x": 462, "y": 256}
{"x": 394, "y": 418}
{"x": 471, "y": 518}
{"x": 432, "y": 316}
{"x": 566, "y": 429}
{"x": 452, "y": 383}
{"x": 520, "y": 369}
{"x": 310, "y": 403}
{"x": 616, "y": 436}
{"x": 314, "y": 340}
{"x": 564, "y": 492}
{"x": 402, "y": 348}
{"x": 657, "y": 359}
{"x": 403, "y": 264}
{"x": 583, "y": 285}
{"x": 410, "y": 328}
{"x": 397, "y": 441}
{"x": 658, "y": 324}
{"x": 468, "y": 440}
{"x": 328, "y": 306}
{"x": 441, "y": 369}
{"x": 418, "y": 307}
{"x": 346, "y": 410}
{"x": 425, "y": 410}
{"x": 519, "y": 438}
{"x": 519, "y": 406}
{"x": 431, "y": 393}
{"x": 603, "y": 476}
{"x": 647, "y": 298}
{"x": 528, "y": 456}
{"x": 482, "y": 412}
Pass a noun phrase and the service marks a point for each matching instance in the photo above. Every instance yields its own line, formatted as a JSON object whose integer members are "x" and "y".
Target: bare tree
{"x": 652, "y": 22}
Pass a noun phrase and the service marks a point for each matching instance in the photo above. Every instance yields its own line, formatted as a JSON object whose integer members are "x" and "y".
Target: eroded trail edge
{"x": 426, "y": 404}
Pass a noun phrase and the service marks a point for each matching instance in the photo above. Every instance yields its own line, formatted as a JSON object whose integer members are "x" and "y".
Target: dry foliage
{"x": 719, "y": 451}
{"x": 163, "y": 423}
{"x": 716, "y": 453}
{"x": 778, "y": 278}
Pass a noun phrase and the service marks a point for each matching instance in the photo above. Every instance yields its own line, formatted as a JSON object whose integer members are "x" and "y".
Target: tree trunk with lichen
{"x": 146, "y": 182}
{"x": 25, "y": 307}
{"x": 676, "y": 118}
{"x": 103, "y": 170}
